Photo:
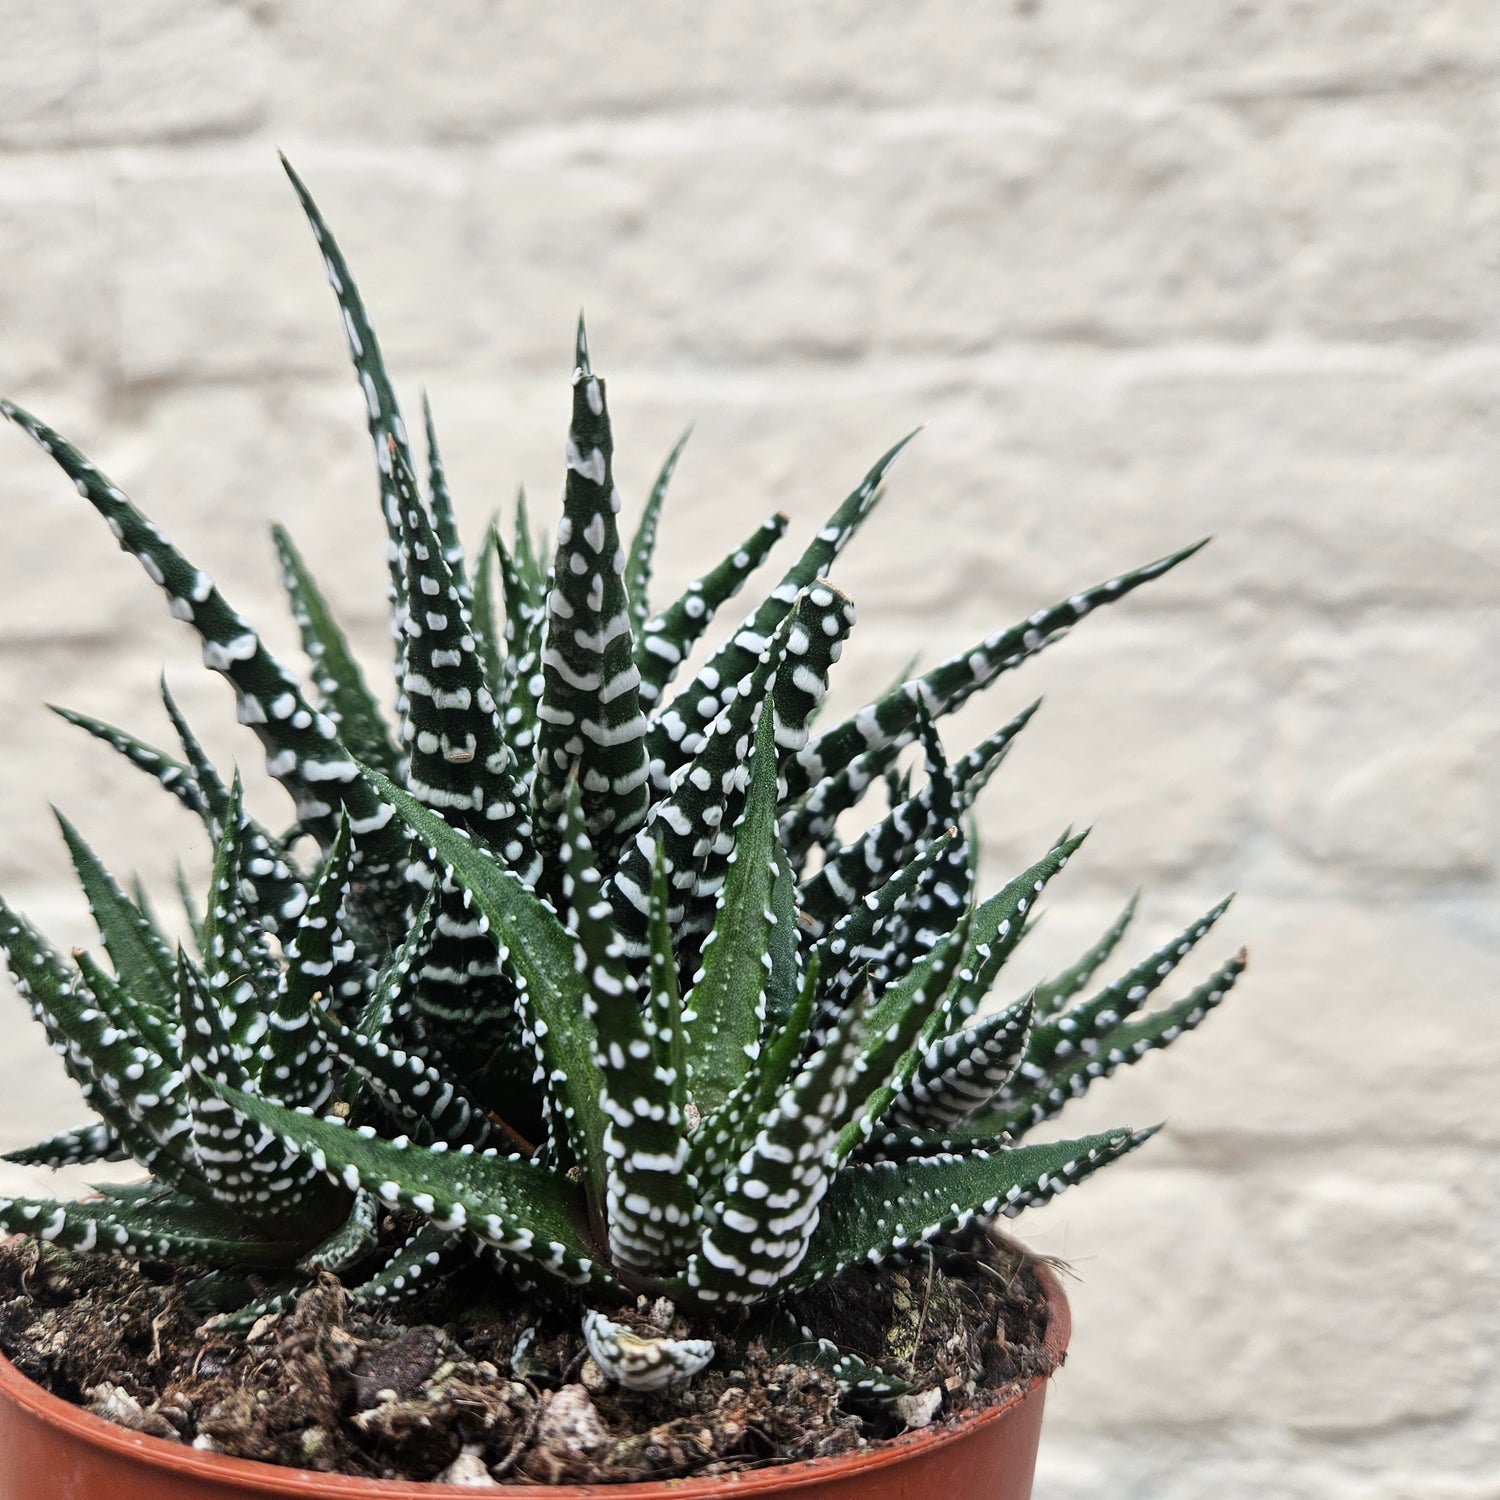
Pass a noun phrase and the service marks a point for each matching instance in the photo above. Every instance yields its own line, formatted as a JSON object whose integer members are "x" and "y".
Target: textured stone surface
{"x": 1144, "y": 272}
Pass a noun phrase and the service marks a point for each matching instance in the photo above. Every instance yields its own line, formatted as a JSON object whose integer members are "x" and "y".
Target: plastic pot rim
{"x": 276, "y": 1479}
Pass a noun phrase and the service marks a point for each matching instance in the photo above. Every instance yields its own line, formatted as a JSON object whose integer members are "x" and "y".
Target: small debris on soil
{"x": 478, "y": 1383}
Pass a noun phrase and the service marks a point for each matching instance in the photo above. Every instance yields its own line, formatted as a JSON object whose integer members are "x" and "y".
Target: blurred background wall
{"x": 1145, "y": 270}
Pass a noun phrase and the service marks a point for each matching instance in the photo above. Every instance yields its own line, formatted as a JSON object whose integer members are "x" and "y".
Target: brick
{"x": 1346, "y": 482}
{"x": 215, "y": 465}
{"x": 52, "y": 303}
{"x": 1274, "y": 47}
{"x": 334, "y": 68}
{"x": 1320, "y": 1299}
{"x": 43, "y": 760}
{"x": 649, "y": 231}
{"x": 1166, "y": 1306}
{"x": 880, "y": 53}
{"x": 46, "y": 70}
{"x": 1101, "y": 226}
{"x": 1385, "y": 233}
{"x": 1144, "y": 735}
{"x": 1173, "y": 1464}
{"x": 61, "y": 541}
{"x": 1386, "y": 740}
{"x": 1420, "y": 1485}
{"x": 218, "y": 273}
{"x": 1376, "y": 1279}
{"x": 129, "y": 70}
{"x": 1302, "y": 1051}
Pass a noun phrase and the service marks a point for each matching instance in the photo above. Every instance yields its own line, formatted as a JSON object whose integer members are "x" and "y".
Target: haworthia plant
{"x": 582, "y": 974}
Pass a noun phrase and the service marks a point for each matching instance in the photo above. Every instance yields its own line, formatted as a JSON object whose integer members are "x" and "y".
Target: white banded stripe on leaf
{"x": 643, "y": 543}
{"x": 877, "y": 1209}
{"x": 647, "y": 1199}
{"x": 677, "y": 732}
{"x": 237, "y": 961}
{"x": 135, "y": 1088}
{"x": 153, "y": 1225}
{"x": 898, "y": 1025}
{"x": 518, "y": 690}
{"x": 894, "y": 718}
{"x": 1030, "y": 1098}
{"x": 760, "y": 1224}
{"x": 1071, "y": 1173}
{"x": 246, "y": 1169}
{"x": 383, "y": 413}
{"x": 321, "y": 967}
{"x": 72, "y": 1148}
{"x": 857, "y": 942}
{"x": 1079, "y": 1026}
{"x": 642, "y": 1361}
{"x": 444, "y": 523}
{"x": 336, "y": 674}
{"x": 851, "y": 873}
{"x": 413, "y": 1268}
{"x": 813, "y": 822}
{"x": 999, "y": 924}
{"x": 539, "y": 953}
{"x": 706, "y": 798}
{"x": 695, "y": 821}
{"x": 792, "y": 1340}
{"x": 724, "y": 1011}
{"x": 303, "y": 750}
{"x": 459, "y": 761}
{"x": 591, "y": 723}
{"x": 960, "y": 1074}
{"x": 430, "y": 1104}
{"x": 665, "y": 641}
{"x": 172, "y": 775}
{"x": 506, "y": 1203}
{"x": 271, "y": 889}
{"x": 350, "y": 1242}
{"x": 723, "y": 1136}
{"x": 973, "y": 769}
{"x": 390, "y": 1005}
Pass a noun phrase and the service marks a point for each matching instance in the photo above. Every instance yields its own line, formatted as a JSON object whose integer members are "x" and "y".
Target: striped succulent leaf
{"x": 1020, "y": 1106}
{"x": 77, "y": 1147}
{"x": 494, "y": 648}
{"x": 335, "y": 672}
{"x": 961, "y": 1073}
{"x": 626, "y": 993}
{"x": 172, "y": 775}
{"x": 1052, "y": 994}
{"x": 591, "y": 720}
{"x": 679, "y": 729}
{"x": 665, "y": 641}
{"x": 303, "y": 750}
{"x": 896, "y": 717}
{"x": 387, "y": 429}
{"x": 642, "y": 1362}
{"x": 638, "y": 564}
{"x": 444, "y": 522}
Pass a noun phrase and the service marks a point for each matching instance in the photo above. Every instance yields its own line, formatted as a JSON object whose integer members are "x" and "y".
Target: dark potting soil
{"x": 478, "y": 1383}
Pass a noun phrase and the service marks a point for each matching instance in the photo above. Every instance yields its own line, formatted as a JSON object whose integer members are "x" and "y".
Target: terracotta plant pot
{"x": 51, "y": 1450}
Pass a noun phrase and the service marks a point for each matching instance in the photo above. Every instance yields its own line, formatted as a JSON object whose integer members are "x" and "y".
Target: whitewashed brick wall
{"x": 1145, "y": 269}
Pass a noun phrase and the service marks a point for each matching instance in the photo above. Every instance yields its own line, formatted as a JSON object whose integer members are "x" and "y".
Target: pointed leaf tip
{"x": 581, "y": 349}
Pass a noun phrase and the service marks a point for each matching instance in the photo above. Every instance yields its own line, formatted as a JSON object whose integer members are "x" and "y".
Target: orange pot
{"x": 51, "y": 1450}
